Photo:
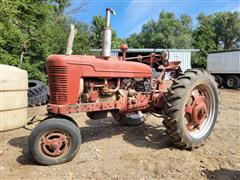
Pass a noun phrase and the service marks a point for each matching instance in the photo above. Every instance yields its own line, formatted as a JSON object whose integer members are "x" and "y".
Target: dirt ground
{"x": 110, "y": 151}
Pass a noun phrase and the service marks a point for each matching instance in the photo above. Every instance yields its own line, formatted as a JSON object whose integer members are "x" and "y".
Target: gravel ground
{"x": 110, "y": 151}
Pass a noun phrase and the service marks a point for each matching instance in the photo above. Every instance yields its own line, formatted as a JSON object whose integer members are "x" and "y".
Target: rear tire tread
{"x": 172, "y": 114}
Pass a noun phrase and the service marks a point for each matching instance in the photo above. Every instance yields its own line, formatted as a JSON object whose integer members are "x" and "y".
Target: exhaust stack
{"x": 107, "y": 35}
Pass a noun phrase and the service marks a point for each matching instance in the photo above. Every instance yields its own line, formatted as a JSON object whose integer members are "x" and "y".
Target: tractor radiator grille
{"x": 57, "y": 69}
{"x": 57, "y": 77}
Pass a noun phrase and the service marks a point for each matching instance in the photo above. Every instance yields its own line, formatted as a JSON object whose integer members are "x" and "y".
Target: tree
{"x": 227, "y": 28}
{"x": 167, "y": 30}
{"x": 81, "y": 40}
{"x": 219, "y": 31}
{"x": 97, "y": 31}
{"x": 97, "y": 28}
{"x": 31, "y": 30}
{"x": 116, "y": 42}
{"x": 22, "y": 37}
{"x": 133, "y": 41}
{"x": 205, "y": 39}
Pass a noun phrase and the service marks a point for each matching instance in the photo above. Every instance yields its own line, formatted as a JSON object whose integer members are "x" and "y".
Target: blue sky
{"x": 132, "y": 14}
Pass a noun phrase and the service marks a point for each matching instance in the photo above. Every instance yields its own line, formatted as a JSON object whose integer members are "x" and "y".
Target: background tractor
{"x": 127, "y": 89}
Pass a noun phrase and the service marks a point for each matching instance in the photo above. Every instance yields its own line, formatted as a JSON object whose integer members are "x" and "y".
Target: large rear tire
{"x": 54, "y": 141}
{"x": 37, "y": 93}
{"x": 130, "y": 119}
{"x": 191, "y": 109}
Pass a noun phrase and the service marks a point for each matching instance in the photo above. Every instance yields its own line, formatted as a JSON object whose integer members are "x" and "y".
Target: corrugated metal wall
{"x": 224, "y": 62}
{"x": 114, "y": 53}
{"x": 175, "y": 55}
{"x": 183, "y": 56}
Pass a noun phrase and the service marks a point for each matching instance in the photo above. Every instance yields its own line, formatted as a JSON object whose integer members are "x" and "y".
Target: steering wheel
{"x": 164, "y": 56}
{"x": 165, "y": 53}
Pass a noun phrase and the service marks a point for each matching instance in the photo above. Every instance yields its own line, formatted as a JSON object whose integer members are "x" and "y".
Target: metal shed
{"x": 183, "y": 55}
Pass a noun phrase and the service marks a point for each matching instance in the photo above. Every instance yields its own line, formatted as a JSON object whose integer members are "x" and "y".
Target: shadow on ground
{"x": 222, "y": 174}
{"x": 21, "y": 142}
{"x": 145, "y": 135}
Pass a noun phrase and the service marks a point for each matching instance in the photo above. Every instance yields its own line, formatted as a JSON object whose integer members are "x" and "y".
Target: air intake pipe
{"x": 107, "y": 35}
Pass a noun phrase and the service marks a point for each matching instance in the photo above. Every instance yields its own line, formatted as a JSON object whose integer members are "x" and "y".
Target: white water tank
{"x": 13, "y": 97}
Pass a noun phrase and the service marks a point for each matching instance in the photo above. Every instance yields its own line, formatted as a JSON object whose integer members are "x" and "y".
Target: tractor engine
{"x": 99, "y": 90}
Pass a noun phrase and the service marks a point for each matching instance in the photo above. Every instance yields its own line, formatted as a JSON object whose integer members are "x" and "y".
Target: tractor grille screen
{"x": 57, "y": 77}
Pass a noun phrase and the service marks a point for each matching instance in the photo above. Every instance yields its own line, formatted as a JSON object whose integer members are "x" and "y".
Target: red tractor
{"x": 129, "y": 91}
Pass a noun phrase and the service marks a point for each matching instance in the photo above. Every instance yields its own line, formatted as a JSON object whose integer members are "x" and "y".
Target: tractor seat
{"x": 172, "y": 65}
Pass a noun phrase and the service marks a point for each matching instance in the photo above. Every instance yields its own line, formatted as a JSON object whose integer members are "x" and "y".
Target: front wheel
{"x": 191, "y": 109}
{"x": 54, "y": 141}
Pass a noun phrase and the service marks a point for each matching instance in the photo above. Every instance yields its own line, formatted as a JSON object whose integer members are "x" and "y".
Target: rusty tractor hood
{"x": 91, "y": 66}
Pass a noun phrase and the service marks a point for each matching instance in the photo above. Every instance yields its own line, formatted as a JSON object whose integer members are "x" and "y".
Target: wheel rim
{"x": 199, "y": 111}
{"x": 231, "y": 82}
{"x": 55, "y": 143}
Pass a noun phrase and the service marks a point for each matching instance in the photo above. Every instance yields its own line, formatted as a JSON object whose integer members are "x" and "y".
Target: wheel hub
{"x": 54, "y": 144}
{"x": 197, "y": 110}
{"x": 230, "y": 82}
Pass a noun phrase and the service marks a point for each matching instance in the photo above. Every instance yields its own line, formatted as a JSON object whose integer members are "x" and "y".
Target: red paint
{"x": 124, "y": 47}
{"x": 65, "y": 72}
{"x": 197, "y": 110}
{"x": 158, "y": 100}
{"x": 171, "y": 65}
{"x": 54, "y": 144}
{"x": 93, "y": 96}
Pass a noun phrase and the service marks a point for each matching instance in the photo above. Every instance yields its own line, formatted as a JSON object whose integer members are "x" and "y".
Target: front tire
{"x": 54, "y": 141}
{"x": 191, "y": 109}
